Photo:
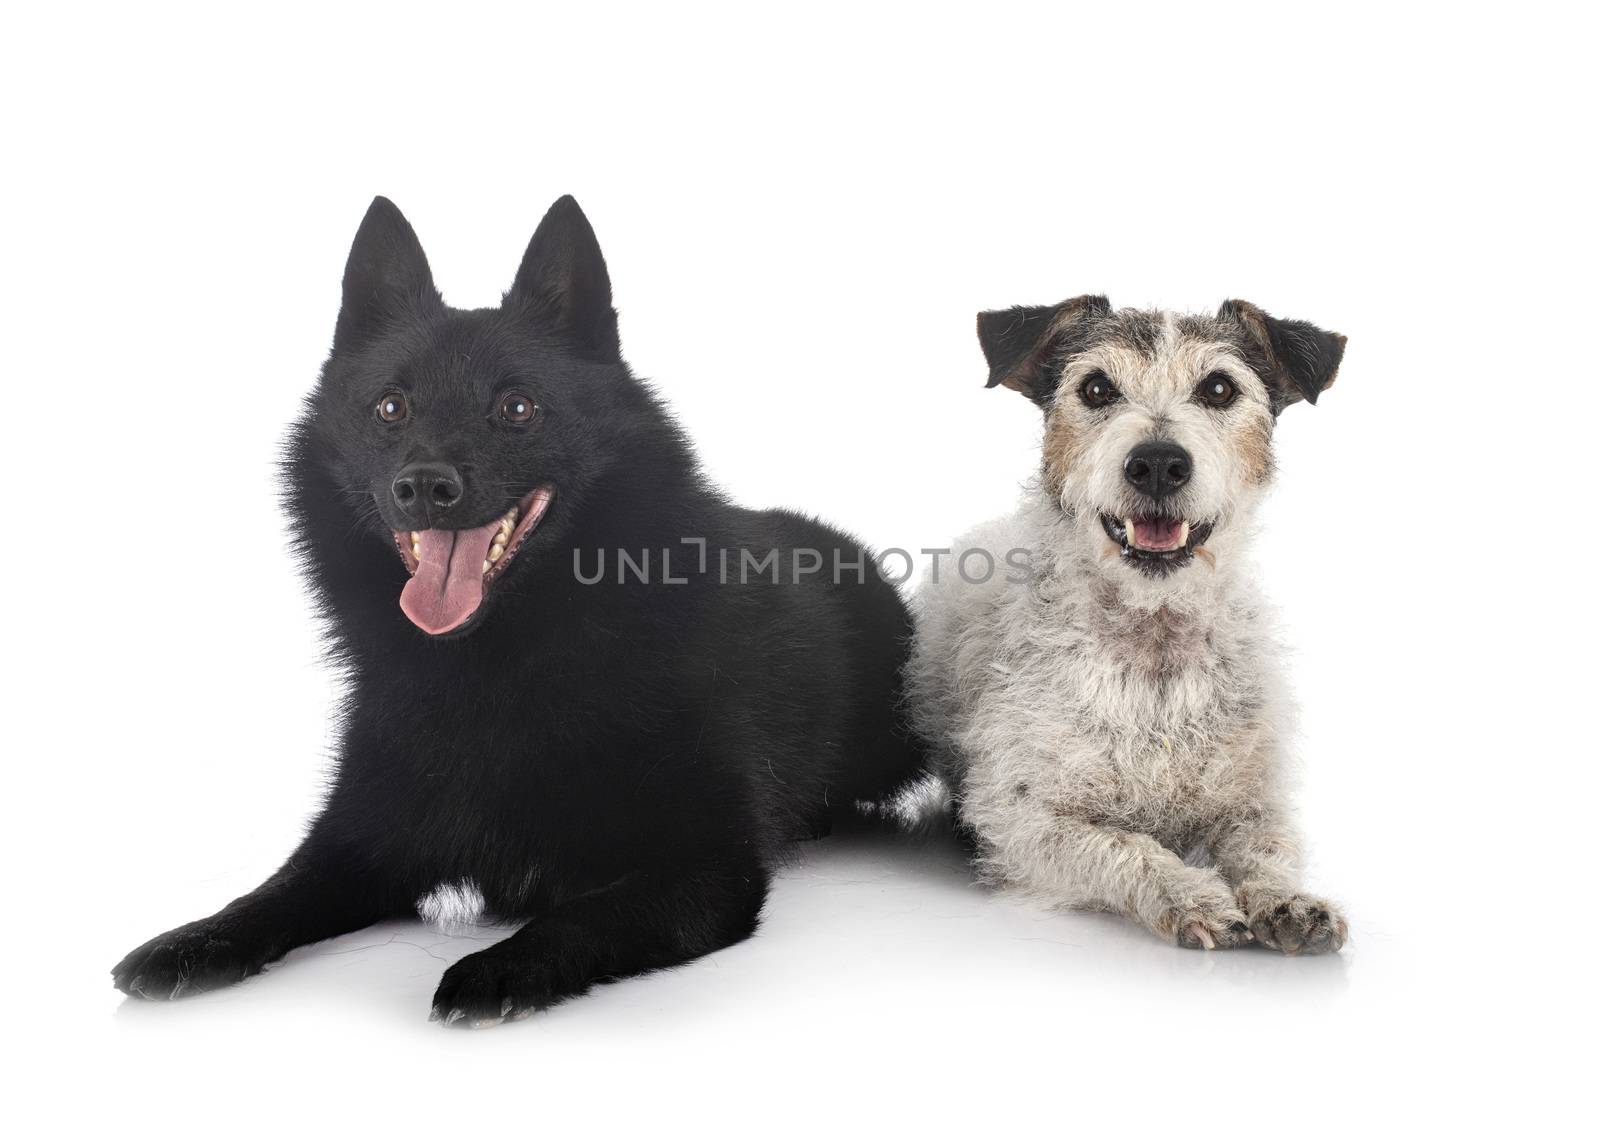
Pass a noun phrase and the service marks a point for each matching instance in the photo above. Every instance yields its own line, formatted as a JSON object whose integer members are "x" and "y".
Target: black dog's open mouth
{"x": 1156, "y": 545}
{"x": 451, "y": 570}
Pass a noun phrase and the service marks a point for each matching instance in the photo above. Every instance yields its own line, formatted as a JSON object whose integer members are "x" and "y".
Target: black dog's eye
{"x": 1097, "y": 390}
{"x": 392, "y": 407}
{"x": 517, "y": 408}
{"x": 1218, "y": 390}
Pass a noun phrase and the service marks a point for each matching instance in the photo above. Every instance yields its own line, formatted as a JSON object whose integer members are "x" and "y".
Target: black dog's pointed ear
{"x": 385, "y": 273}
{"x": 1017, "y": 342}
{"x": 563, "y": 278}
{"x": 1301, "y": 359}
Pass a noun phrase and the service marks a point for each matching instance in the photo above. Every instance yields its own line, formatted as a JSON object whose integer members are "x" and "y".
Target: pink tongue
{"x": 448, "y": 584}
{"x": 1157, "y": 536}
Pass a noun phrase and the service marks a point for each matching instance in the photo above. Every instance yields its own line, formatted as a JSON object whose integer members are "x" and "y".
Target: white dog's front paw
{"x": 1298, "y": 924}
{"x": 1212, "y": 926}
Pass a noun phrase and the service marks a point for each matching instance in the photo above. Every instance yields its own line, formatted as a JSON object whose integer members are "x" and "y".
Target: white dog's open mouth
{"x": 1150, "y": 541}
{"x": 452, "y": 569}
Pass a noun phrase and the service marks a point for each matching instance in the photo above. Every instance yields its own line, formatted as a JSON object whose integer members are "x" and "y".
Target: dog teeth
{"x": 497, "y": 548}
{"x": 1127, "y": 526}
{"x": 502, "y": 538}
{"x": 1183, "y": 535}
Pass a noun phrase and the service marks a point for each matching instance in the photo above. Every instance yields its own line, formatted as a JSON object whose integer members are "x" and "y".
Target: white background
{"x": 802, "y": 212}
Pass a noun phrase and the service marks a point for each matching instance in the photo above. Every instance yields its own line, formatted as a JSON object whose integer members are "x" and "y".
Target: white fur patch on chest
{"x": 1055, "y": 698}
{"x": 451, "y": 907}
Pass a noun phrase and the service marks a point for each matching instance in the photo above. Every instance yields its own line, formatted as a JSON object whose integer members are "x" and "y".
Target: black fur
{"x": 620, "y": 763}
{"x": 1022, "y": 342}
{"x": 1295, "y": 359}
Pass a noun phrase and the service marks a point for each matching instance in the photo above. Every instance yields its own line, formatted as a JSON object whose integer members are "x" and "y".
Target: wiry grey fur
{"x": 1115, "y": 738}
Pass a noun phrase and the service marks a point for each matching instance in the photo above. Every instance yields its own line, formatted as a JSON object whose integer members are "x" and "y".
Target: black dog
{"x": 621, "y": 760}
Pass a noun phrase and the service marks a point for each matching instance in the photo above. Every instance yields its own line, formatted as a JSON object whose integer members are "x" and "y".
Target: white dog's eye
{"x": 1097, "y": 390}
{"x": 1218, "y": 390}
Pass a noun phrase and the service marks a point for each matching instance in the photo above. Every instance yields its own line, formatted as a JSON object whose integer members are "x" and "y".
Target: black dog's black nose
{"x": 425, "y": 490}
{"x": 1157, "y": 468}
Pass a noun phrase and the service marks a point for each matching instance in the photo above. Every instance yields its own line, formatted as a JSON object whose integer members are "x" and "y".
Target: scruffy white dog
{"x": 1107, "y": 707}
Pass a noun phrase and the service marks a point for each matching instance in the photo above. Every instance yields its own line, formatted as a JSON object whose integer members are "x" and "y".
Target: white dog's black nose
{"x": 1157, "y": 468}
{"x": 426, "y": 490}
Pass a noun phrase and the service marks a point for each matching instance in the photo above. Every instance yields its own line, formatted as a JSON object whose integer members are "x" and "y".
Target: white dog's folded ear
{"x": 1018, "y": 342}
{"x": 1301, "y": 360}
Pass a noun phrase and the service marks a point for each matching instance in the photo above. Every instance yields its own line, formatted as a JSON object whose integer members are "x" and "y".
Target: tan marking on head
{"x": 1061, "y": 448}
{"x": 1253, "y": 445}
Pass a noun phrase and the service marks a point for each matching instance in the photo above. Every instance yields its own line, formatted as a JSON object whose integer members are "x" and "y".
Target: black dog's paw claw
{"x": 489, "y": 988}
{"x": 184, "y": 962}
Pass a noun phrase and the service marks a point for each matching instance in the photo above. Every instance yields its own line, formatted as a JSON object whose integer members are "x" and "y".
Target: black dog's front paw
{"x": 189, "y": 960}
{"x": 495, "y": 985}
